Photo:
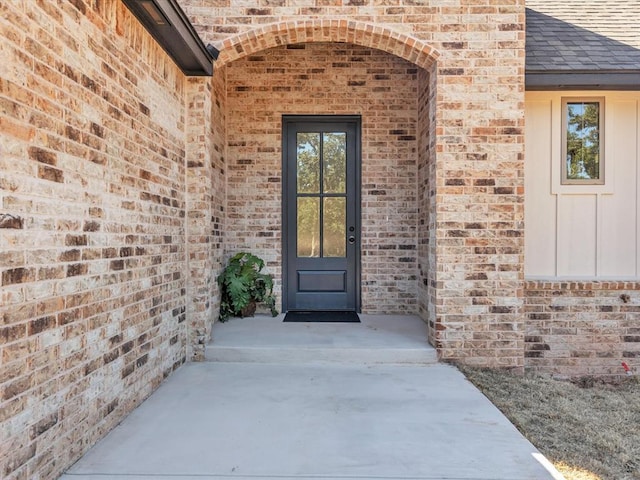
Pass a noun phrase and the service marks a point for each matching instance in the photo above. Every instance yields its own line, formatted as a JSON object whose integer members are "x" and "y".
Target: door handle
{"x": 351, "y": 239}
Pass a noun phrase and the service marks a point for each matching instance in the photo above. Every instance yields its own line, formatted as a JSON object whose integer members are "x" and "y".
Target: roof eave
{"x": 174, "y": 33}
{"x": 583, "y": 80}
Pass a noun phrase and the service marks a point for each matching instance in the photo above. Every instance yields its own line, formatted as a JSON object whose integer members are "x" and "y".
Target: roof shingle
{"x": 571, "y": 36}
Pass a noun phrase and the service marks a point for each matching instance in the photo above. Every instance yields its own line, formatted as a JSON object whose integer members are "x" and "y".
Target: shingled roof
{"x": 583, "y": 44}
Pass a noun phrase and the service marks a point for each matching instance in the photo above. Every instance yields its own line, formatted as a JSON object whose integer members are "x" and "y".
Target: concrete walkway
{"x": 315, "y": 419}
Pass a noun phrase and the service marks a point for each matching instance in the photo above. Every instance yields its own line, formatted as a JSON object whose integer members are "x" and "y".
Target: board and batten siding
{"x": 582, "y": 231}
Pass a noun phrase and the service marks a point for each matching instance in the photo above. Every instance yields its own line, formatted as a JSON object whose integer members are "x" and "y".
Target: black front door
{"x": 321, "y": 212}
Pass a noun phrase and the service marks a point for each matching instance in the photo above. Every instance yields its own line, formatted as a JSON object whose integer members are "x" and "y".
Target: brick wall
{"x": 582, "y": 328}
{"x": 92, "y": 239}
{"x": 328, "y": 79}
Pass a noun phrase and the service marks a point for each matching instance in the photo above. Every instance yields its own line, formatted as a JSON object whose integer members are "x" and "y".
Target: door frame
{"x": 323, "y": 118}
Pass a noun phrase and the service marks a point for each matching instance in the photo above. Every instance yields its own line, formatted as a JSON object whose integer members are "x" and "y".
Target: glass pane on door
{"x": 334, "y": 227}
{"x": 308, "y": 154}
{"x": 308, "y": 227}
{"x": 334, "y": 162}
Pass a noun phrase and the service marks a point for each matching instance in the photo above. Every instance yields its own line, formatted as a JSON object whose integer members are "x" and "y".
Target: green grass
{"x": 590, "y": 430}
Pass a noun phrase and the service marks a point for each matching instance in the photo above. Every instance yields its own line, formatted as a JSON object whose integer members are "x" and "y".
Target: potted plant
{"x": 243, "y": 286}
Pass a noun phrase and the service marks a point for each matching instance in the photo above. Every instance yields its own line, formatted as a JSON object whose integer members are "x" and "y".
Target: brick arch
{"x": 322, "y": 30}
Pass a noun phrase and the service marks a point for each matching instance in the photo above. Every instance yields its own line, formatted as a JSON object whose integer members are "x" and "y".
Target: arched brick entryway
{"x": 394, "y": 72}
{"x": 325, "y": 78}
{"x": 391, "y": 84}
{"x": 354, "y": 32}
{"x": 468, "y": 278}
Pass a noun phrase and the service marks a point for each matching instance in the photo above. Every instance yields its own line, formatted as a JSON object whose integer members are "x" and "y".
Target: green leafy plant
{"x": 242, "y": 286}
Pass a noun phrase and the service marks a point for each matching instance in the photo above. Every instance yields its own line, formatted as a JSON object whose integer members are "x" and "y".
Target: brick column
{"x": 205, "y": 185}
{"x": 201, "y": 279}
{"x": 476, "y": 188}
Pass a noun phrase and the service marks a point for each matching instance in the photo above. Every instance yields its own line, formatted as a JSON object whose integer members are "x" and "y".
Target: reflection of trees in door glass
{"x": 334, "y": 228}
{"x": 334, "y": 162}
{"x": 308, "y": 227}
{"x": 308, "y": 156}
{"x": 324, "y": 153}
{"x": 583, "y": 141}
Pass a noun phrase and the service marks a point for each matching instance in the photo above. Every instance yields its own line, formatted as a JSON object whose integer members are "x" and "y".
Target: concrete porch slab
{"x": 289, "y": 421}
{"x": 382, "y": 339}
